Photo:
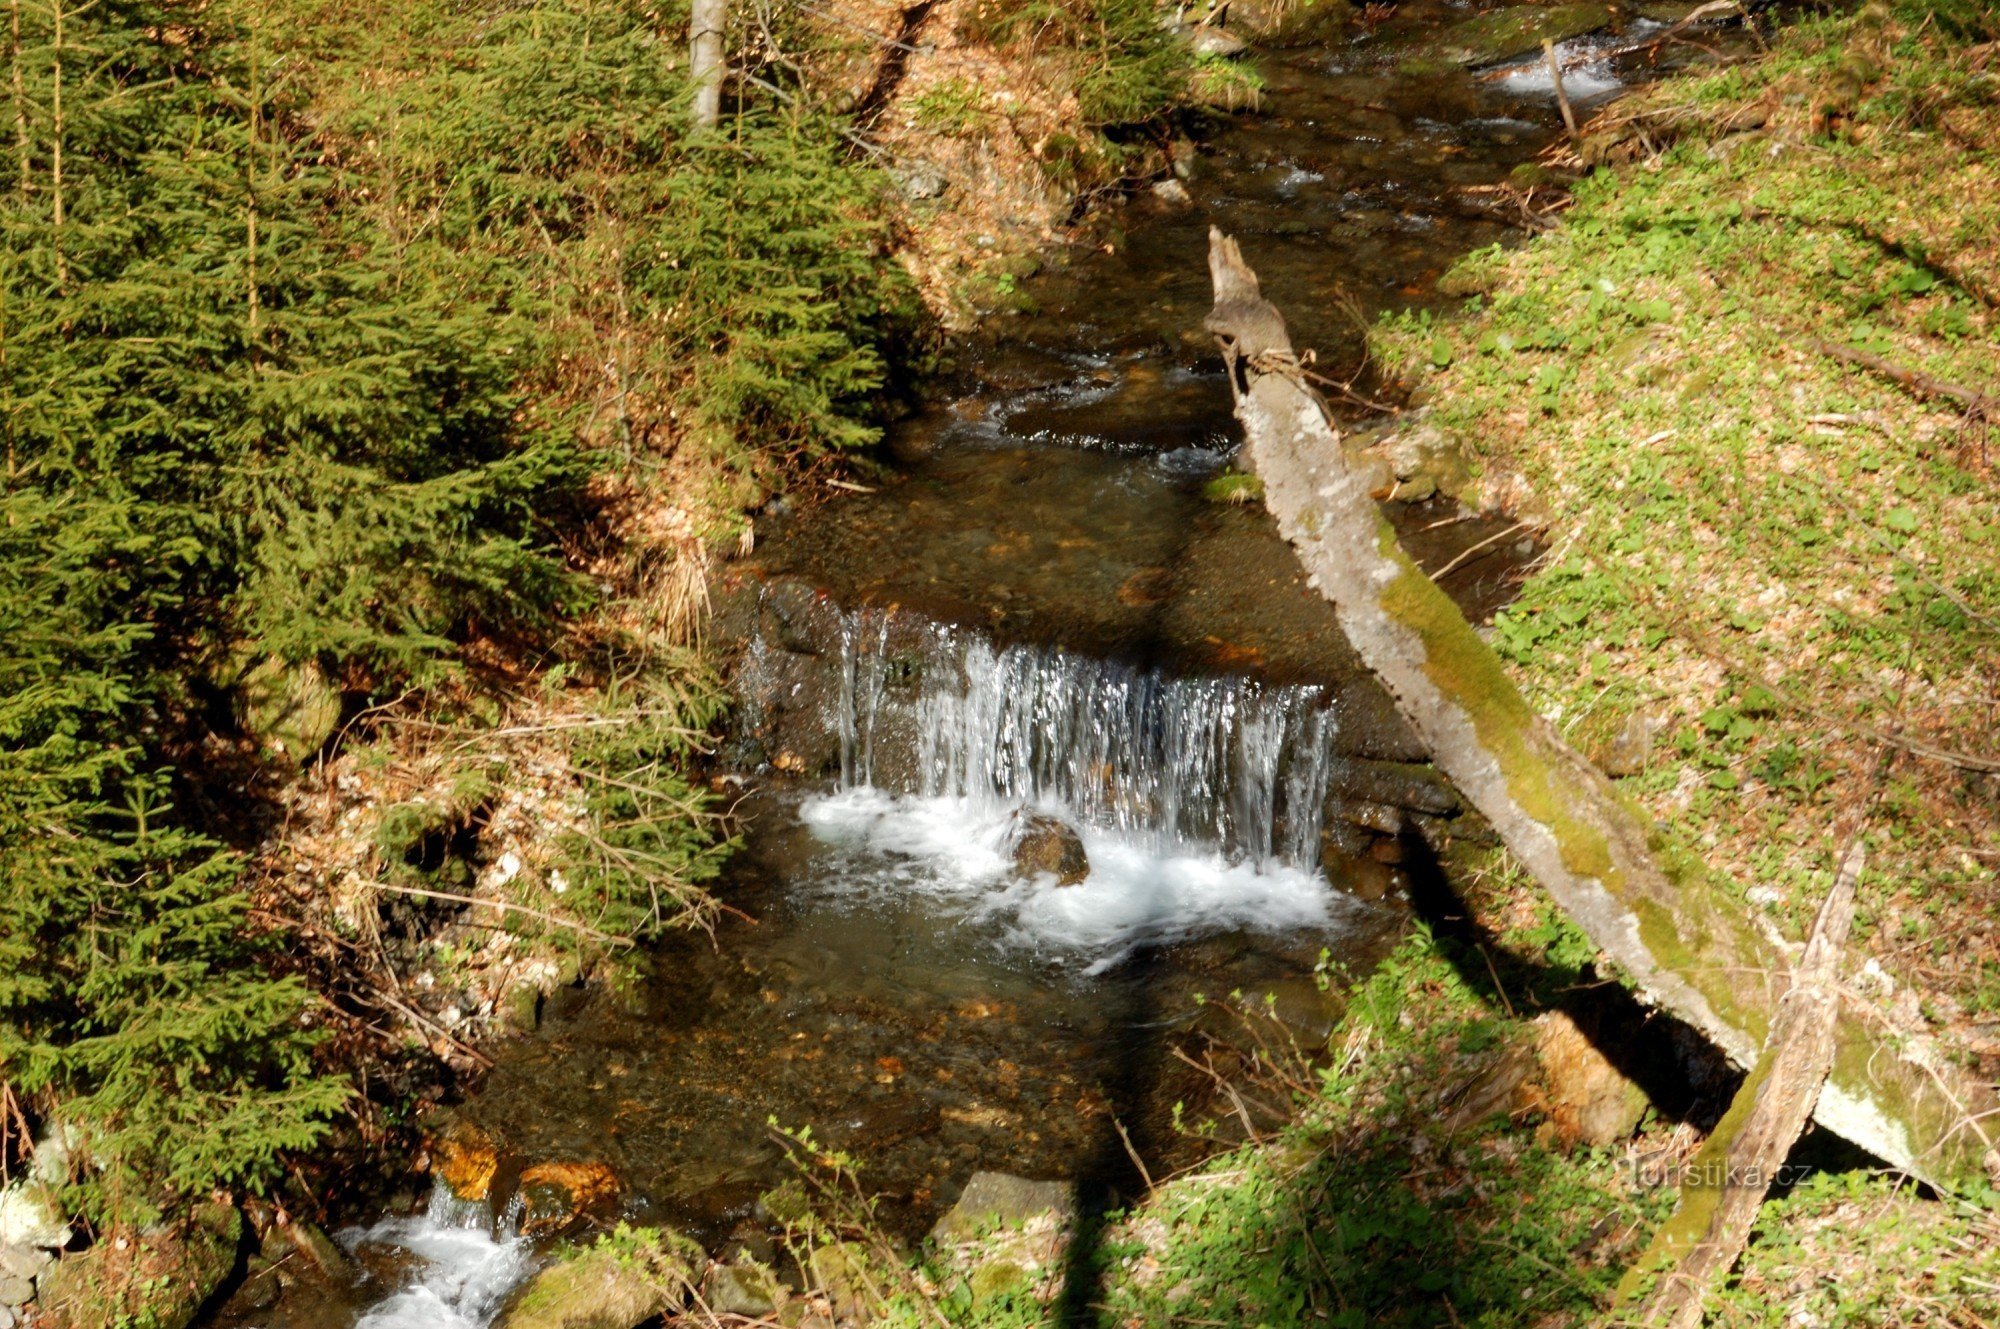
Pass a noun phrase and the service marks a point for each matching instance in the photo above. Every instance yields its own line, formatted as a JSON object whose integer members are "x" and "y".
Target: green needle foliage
{"x": 231, "y": 419}
{"x": 314, "y": 325}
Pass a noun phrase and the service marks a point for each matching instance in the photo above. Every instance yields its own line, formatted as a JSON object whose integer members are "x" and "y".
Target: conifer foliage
{"x": 316, "y": 322}
{"x": 232, "y": 422}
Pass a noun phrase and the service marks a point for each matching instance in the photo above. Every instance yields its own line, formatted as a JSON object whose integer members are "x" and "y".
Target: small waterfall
{"x": 1175, "y": 763}
{"x": 468, "y": 1265}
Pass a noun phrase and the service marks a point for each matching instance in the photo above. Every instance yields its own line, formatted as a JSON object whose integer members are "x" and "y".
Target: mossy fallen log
{"x": 1682, "y": 939}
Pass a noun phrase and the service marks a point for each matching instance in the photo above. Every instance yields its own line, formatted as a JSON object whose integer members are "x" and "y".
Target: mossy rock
{"x": 629, "y": 1278}
{"x": 840, "y": 1271}
{"x": 160, "y": 1280}
{"x": 996, "y": 1278}
{"x": 291, "y": 709}
{"x": 1291, "y": 22}
{"x": 1234, "y": 487}
{"x": 996, "y": 1200}
{"x": 744, "y": 1287}
{"x": 1505, "y": 33}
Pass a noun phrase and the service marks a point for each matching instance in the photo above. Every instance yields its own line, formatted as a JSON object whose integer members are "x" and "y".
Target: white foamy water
{"x": 1183, "y": 765}
{"x": 1586, "y": 66}
{"x": 463, "y": 1271}
{"x": 953, "y": 851}
{"x": 1199, "y": 800}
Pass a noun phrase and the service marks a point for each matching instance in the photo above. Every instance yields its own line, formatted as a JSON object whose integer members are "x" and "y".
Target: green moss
{"x": 1234, "y": 487}
{"x": 1466, "y": 670}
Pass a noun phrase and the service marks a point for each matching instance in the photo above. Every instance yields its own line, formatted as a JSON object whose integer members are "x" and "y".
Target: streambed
{"x": 1037, "y": 609}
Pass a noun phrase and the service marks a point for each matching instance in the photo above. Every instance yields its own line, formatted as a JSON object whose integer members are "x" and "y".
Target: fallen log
{"x": 1727, "y": 1179}
{"x": 1682, "y": 940}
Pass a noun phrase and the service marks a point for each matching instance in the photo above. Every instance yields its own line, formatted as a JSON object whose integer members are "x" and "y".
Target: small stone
{"x": 16, "y": 1291}
{"x": 1173, "y": 193}
{"x": 1380, "y": 817}
{"x": 920, "y": 182}
{"x": 23, "y": 1261}
{"x": 1216, "y": 43}
{"x": 1627, "y": 751}
{"x": 1048, "y": 846}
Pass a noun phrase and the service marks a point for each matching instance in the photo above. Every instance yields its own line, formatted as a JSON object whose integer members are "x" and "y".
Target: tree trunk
{"x": 1683, "y": 941}
{"x": 705, "y": 59}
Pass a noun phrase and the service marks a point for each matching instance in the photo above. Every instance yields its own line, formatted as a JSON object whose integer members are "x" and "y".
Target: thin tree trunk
{"x": 21, "y": 141}
{"x": 1684, "y": 941}
{"x": 705, "y": 59}
{"x": 56, "y": 147}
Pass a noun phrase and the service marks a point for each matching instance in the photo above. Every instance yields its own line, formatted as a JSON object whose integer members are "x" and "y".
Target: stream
{"x": 1035, "y": 613}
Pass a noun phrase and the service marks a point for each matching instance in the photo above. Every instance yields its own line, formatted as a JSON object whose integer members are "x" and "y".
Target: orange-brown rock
{"x": 1587, "y": 1100}
{"x": 553, "y": 1195}
{"x": 465, "y": 1160}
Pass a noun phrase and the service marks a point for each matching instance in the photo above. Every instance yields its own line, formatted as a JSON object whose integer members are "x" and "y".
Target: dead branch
{"x": 1979, "y": 405}
{"x": 1727, "y": 1180}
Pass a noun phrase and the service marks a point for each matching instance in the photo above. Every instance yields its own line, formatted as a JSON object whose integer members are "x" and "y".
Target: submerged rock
{"x": 556, "y": 1195}
{"x": 1048, "y": 846}
{"x": 1520, "y": 30}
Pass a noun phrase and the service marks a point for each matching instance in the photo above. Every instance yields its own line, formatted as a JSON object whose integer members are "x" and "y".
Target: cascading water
{"x": 466, "y": 1265}
{"x": 1198, "y": 801}
{"x": 1177, "y": 764}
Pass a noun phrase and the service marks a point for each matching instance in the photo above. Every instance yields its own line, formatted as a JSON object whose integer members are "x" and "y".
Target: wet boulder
{"x": 1518, "y": 30}
{"x": 466, "y": 1160}
{"x": 1042, "y": 845}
